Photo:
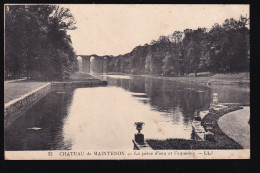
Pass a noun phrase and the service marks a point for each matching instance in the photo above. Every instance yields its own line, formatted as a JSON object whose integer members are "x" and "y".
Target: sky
{"x": 117, "y": 29}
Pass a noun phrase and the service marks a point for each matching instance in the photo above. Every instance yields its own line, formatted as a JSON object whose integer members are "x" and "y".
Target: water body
{"x": 102, "y": 118}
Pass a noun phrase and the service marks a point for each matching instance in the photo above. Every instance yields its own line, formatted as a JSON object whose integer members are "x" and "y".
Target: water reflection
{"x": 103, "y": 117}
{"x": 167, "y": 96}
{"x": 48, "y": 115}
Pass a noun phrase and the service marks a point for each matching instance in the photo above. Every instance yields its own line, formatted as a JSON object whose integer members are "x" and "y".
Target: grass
{"x": 15, "y": 90}
{"x": 222, "y": 141}
{"x": 236, "y": 126}
{"x": 211, "y": 79}
{"x": 80, "y": 76}
{"x": 219, "y": 135}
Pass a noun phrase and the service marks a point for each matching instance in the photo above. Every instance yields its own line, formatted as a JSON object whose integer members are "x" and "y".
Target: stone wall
{"x": 77, "y": 84}
{"x": 17, "y": 107}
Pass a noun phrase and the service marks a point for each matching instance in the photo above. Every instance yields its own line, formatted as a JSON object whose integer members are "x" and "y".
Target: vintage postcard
{"x": 91, "y": 82}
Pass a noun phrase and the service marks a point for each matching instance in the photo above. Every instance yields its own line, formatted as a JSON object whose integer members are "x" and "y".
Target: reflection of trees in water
{"x": 125, "y": 83}
{"x": 176, "y": 115}
{"x": 232, "y": 94}
{"x": 51, "y": 112}
{"x": 148, "y": 85}
{"x": 137, "y": 85}
{"x": 193, "y": 99}
{"x": 112, "y": 82}
{"x": 169, "y": 96}
{"x": 118, "y": 82}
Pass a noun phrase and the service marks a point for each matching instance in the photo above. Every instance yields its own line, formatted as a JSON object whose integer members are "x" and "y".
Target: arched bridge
{"x": 97, "y": 64}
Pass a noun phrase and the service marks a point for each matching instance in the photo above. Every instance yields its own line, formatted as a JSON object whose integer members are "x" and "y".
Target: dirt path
{"x": 235, "y": 125}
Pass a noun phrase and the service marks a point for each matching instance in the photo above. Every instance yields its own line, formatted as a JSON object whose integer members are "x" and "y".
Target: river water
{"x": 102, "y": 118}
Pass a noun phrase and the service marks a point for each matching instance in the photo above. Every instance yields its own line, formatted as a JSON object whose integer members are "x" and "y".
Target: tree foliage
{"x": 36, "y": 42}
{"x": 222, "y": 48}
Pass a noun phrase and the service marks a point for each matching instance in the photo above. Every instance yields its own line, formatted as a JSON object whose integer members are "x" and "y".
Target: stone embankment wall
{"x": 19, "y": 106}
{"x": 77, "y": 84}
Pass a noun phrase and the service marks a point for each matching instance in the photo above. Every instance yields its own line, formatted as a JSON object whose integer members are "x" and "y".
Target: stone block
{"x": 139, "y": 138}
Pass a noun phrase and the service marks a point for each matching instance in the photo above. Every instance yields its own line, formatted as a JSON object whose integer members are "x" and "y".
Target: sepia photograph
{"x": 126, "y": 81}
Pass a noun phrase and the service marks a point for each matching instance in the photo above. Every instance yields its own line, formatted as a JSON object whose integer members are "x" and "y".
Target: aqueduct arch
{"x": 99, "y": 63}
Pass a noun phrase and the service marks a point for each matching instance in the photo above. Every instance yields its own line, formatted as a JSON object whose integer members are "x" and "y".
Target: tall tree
{"x": 222, "y": 48}
{"x": 36, "y": 44}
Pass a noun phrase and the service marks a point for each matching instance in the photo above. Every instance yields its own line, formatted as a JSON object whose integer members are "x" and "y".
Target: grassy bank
{"x": 15, "y": 90}
{"x": 204, "y": 78}
{"x": 235, "y": 125}
{"x": 219, "y": 135}
{"x": 211, "y": 79}
{"x": 80, "y": 76}
{"x": 222, "y": 141}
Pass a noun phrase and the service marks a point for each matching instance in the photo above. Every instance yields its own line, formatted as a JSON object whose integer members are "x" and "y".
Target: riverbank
{"x": 19, "y": 96}
{"x": 216, "y": 79}
{"x": 221, "y": 140}
{"x": 17, "y": 88}
{"x": 14, "y": 90}
{"x": 205, "y": 79}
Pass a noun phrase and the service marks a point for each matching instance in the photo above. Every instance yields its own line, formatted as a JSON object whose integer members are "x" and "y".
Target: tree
{"x": 148, "y": 63}
{"x": 37, "y": 45}
{"x": 230, "y": 46}
{"x": 168, "y": 65}
{"x": 223, "y": 48}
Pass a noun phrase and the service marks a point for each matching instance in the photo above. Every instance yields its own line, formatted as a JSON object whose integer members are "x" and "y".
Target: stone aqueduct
{"x": 99, "y": 64}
